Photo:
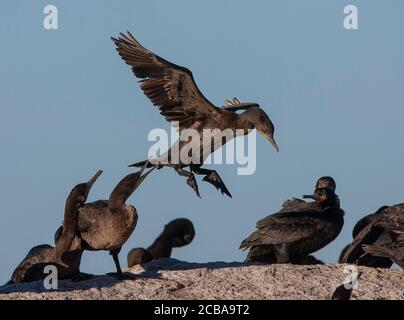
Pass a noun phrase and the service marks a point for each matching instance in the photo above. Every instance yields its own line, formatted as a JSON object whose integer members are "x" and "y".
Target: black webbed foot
{"x": 191, "y": 181}
{"x": 214, "y": 179}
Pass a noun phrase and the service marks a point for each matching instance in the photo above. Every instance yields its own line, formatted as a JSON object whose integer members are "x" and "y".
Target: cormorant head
{"x": 78, "y": 195}
{"x": 127, "y": 186}
{"x": 262, "y": 123}
{"x": 326, "y": 182}
{"x": 255, "y": 117}
{"x": 181, "y": 230}
{"x": 138, "y": 256}
{"x": 326, "y": 197}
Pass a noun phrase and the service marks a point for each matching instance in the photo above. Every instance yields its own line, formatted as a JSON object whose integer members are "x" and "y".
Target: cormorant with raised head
{"x": 106, "y": 224}
{"x": 68, "y": 257}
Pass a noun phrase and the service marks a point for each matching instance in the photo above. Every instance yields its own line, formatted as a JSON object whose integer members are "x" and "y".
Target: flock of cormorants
{"x": 291, "y": 235}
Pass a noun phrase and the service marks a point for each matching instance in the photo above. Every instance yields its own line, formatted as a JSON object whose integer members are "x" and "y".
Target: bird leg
{"x": 114, "y": 254}
{"x": 191, "y": 181}
{"x": 119, "y": 274}
{"x": 212, "y": 177}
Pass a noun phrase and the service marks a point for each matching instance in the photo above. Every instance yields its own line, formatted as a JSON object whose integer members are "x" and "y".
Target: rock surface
{"x": 173, "y": 279}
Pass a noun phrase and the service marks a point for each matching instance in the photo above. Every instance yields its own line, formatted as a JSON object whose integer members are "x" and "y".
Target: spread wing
{"x": 282, "y": 228}
{"x": 169, "y": 87}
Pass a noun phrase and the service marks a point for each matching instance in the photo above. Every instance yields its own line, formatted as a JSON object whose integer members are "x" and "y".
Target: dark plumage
{"x": 300, "y": 228}
{"x": 66, "y": 257}
{"x": 173, "y": 90}
{"x": 393, "y": 250}
{"x": 377, "y": 236}
{"x": 77, "y": 197}
{"x": 177, "y": 233}
{"x": 326, "y": 182}
{"x": 138, "y": 256}
{"x": 106, "y": 224}
{"x": 377, "y": 229}
{"x": 266, "y": 254}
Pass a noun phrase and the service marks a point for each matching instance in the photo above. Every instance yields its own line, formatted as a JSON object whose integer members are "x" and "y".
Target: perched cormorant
{"x": 378, "y": 235}
{"x": 65, "y": 236}
{"x": 177, "y": 233}
{"x": 376, "y": 229}
{"x": 173, "y": 90}
{"x": 68, "y": 263}
{"x": 106, "y": 224}
{"x": 294, "y": 234}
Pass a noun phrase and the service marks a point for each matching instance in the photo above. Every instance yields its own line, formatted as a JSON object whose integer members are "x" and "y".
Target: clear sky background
{"x": 70, "y": 106}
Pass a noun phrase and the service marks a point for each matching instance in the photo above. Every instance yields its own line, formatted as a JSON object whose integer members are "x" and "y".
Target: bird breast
{"x": 103, "y": 229}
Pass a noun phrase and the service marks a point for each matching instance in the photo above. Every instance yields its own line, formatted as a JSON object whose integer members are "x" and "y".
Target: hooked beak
{"x": 270, "y": 138}
{"x": 94, "y": 179}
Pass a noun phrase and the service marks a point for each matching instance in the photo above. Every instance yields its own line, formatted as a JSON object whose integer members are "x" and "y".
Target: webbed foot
{"x": 191, "y": 181}
{"x": 214, "y": 179}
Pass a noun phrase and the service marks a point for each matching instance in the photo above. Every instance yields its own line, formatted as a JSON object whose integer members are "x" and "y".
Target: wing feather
{"x": 168, "y": 86}
{"x": 282, "y": 228}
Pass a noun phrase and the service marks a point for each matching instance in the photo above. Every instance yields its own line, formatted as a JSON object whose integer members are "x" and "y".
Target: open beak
{"x": 94, "y": 179}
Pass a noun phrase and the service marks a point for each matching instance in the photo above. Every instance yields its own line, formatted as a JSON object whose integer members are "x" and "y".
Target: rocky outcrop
{"x": 173, "y": 279}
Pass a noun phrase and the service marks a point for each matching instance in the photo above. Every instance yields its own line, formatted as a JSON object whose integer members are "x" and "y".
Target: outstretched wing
{"x": 169, "y": 87}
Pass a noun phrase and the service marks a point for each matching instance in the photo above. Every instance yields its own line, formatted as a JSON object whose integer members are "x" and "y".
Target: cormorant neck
{"x": 162, "y": 246}
{"x": 123, "y": 191}
{"x": 332, "y": 202}
{"x": 244, "y": 120}
{"x": 73, "y": 201}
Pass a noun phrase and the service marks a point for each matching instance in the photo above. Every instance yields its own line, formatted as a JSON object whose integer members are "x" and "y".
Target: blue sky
{"x": 70, "y": 106}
